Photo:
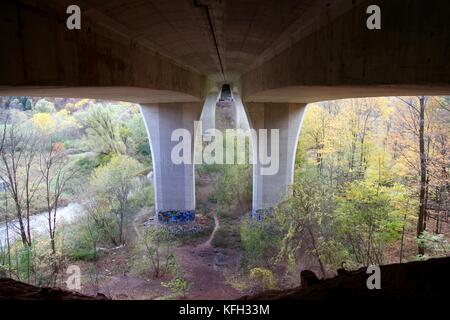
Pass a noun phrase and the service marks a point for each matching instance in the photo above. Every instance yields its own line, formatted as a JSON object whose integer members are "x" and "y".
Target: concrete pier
{"x": 270, "y": 189}
{"x": 174, "y": 184}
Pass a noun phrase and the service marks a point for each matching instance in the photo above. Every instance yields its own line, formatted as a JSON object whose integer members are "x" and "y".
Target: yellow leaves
{"x": 44, "y": 122}
{"x": 81, "y": 104}
{"x": 264, "y": 277}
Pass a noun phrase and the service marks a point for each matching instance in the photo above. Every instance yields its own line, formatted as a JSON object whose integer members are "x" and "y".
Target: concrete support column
{"x": 269, "y": 190}
{"x": 174, "y": 184}
{"x": 208, "y": 116}
{"x": 242, "y": 121}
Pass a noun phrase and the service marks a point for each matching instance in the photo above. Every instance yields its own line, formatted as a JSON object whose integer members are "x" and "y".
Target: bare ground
{"x": 205, "y": 267}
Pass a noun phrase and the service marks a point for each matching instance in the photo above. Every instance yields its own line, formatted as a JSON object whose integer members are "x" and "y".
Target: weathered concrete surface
{"x": 41, "y": 52}
{"x": 338, "y": 57}
{"x": 281, "y": 51}
{"x": 174, "y": 184}
{"x": 269, "y": 190}
{"x": 208, "y": 116}
{"x": 240, "y": 114}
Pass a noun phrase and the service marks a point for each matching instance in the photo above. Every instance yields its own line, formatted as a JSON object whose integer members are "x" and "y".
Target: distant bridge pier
{"x": 174, "y": 184}
{"x": 270, "y": 189}
{"x": 208, "y": 116}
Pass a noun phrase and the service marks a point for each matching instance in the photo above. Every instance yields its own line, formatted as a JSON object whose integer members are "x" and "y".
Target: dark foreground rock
{"x": 426, "y": 280}
{"x": 16, "y": 290}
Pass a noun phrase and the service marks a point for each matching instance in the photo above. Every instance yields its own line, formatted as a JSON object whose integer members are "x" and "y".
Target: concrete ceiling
{"x": 210, "y": 36}
{"x": 271, "y": 50}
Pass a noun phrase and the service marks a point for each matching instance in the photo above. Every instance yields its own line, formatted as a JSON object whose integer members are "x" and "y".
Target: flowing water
{"x": 39, "y": 222}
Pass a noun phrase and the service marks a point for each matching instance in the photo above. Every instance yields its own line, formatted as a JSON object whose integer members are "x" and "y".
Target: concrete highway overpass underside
{"x": 173, "y": 56}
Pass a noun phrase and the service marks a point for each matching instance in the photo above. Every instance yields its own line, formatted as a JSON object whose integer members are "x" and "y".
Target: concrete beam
{"x": 173, "y": 183}
{"x": 40, "y": 52}
{"x": 269, "y": 190}
{"x": 341, "y": 58}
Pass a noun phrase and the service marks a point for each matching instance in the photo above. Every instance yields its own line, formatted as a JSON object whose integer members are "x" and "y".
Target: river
{"x": 39, "y": 222}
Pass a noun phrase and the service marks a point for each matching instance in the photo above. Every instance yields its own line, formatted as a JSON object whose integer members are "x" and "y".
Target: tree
{"x": 103, "y": 132}
{"x": 114, "y": 181}
{"x": 157, "y": 243}
{"x": 304, "y": 218}
{"x": 56, "y": 173}
{"x": 44, "y": 106}
{"x": 421, "y": 132}
{"x": 18, "y": 159}
{"x": 367, "y": 221}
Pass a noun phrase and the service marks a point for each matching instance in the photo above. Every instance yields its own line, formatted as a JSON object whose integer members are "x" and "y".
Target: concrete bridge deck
{"x": 172, "y": 56}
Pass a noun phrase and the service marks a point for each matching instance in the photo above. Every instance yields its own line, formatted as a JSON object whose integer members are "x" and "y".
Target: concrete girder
{"x": 337, "y": 57}
{"x": 43, "y": 54}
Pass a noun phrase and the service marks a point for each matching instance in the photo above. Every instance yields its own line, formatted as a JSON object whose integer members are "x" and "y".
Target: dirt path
{"x": 213, "y": 233}
{"x": 205, "y": 271}
{"x": 204, "y": 266}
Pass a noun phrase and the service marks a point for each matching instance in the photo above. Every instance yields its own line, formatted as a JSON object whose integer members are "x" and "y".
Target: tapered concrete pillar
{"x": 242, "y": 121}
{"x": 208, "y": 116}
{"x": 174, "y": 183}
{"x": 269, "y": 189}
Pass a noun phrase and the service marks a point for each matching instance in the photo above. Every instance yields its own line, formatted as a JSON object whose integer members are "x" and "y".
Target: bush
{"x": 155, "y": 252}
{"x": 44, "y": 106}
{"x": 260, "y": 241}
{"x": 81, "y": 241}
{"x": 178, "y": 285}
{"x": 435, "y": 245}
{"x": 143, "y": 196}
{"x": 264, "y": 279}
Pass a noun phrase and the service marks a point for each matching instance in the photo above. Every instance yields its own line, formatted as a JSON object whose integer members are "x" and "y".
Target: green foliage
{"x": 155, "y": 252}
{"x": 103, "y": 132}
{"x": 233, "y": 197}
{"x": 116, "y": 178}
{"x": 138, "y": 136}
{"x": 28, "y": 105}
{"x": 81, "y": 241}
{"x": 367, "y": 221}
{"x": 435, "y": 245}
{"x": 260, "y": 241}
{"x": 263, "y": 278}
{"x": 305, "y": 219}
{"x": 44, "y": 106}
{"x": 178, "y": 285}
{"x": 143, "y": 196}
{"x": 234, "y": 187}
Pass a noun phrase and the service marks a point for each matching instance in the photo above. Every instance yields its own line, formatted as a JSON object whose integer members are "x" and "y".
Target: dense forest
{"x": 371, "y": 187}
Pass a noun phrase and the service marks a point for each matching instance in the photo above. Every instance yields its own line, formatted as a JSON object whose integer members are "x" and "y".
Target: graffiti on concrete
{"x": 176, "y": 216}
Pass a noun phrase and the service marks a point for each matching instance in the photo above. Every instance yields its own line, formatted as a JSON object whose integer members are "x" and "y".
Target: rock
{"x": 416, "y": 281}
{"x": 15, "y": 290}
{"x": 308, "y": 278}
{"x": 220, "y": 260}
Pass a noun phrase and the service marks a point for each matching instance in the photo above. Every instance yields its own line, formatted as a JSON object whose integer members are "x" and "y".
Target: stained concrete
{"x": 281, "y": 51}
{"x": 270, "y": 189}
{"x": 174, "y": 184}
{"x": 278, "y": 54}
{"x": 208, "y": 116}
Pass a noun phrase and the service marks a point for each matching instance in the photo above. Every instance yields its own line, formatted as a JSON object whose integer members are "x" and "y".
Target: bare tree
{"x": 56, "y": 173}
{"x": 414, "y": 124}
{"x": 17, "y": 159}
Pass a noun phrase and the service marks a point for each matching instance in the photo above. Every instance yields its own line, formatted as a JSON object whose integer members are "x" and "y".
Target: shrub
{"x": 264, "y": 279}
{"x": 178, "y": 285}
{"x": 260, "y": 241}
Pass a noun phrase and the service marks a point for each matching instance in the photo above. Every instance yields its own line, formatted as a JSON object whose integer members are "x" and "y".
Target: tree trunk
{"x": 423, "y": 174}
